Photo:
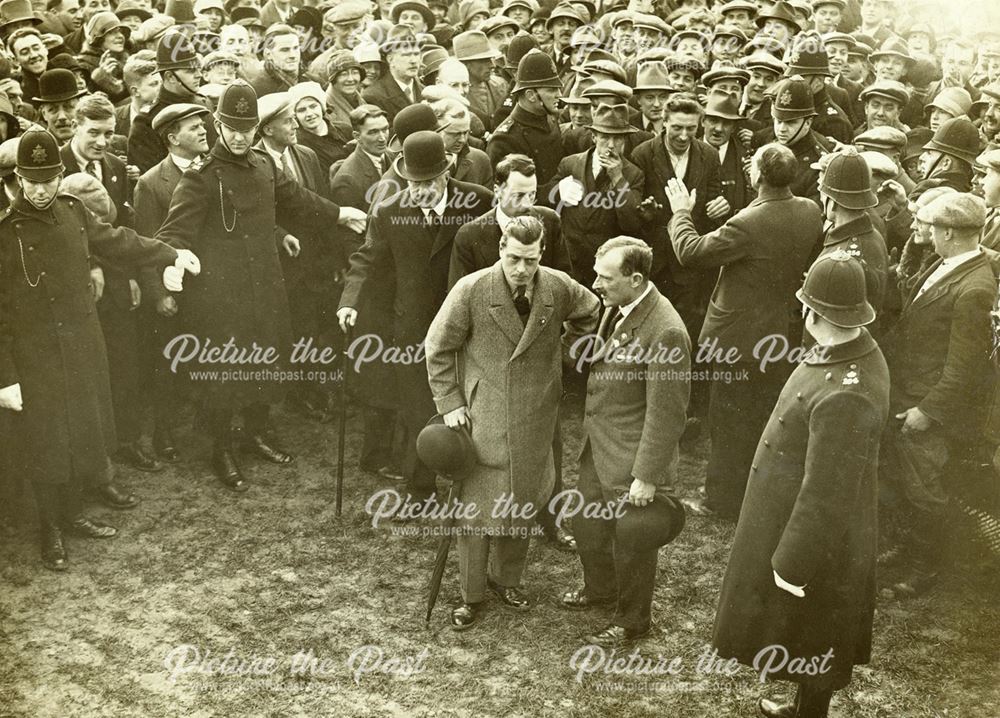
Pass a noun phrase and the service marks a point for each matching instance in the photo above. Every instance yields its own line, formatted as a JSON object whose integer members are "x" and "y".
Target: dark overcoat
{"x": 526, "y": 133}
{"x": 50, "y": 336}
{"x": 811, "y": 514}
{"x": 226, "y": 210}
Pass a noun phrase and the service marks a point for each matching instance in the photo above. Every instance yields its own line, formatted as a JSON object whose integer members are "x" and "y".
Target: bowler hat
{"x": 835, "y": 290}
{"x": 473, "y": 45}
{"x": 57, "y": 85}
{"x": 611, "y": 120}
{"x": 174, "y": 51}
{"x": 412, "y": 118}
{"x": 448, "y": 452}
{"x": 654, "y": 525}
{"x": 957, "y": 137}
{"x": 175, "y": 112}
{"x": 38, "y": 156}
{"x": 848, "y": 181}
{"x": 430, "y": 19}
{"x": 180, "y": 10}
{"x": 961, "y": 210}
{"x": 423, "y": 157}
{"x": 237, "y": 107}
{"x": 498, "y": 22}
{"x": 793, "y": 99}
{"x": 535, "y": 70}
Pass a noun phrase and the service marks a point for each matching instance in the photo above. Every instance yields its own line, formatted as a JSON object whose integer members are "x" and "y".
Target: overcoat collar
{"x": 854, "y": 228}
{"x": 856, "y": 348}
{"x": 503, "y": 312}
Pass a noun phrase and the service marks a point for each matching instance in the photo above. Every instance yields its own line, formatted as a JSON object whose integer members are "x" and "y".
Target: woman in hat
{"x": 316, "y": 132}
{"x": 104, "y": 55}
{"x": 343, "y": 94}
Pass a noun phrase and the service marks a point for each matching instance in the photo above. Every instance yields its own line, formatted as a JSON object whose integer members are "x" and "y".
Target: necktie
{"x": 286, "y": 166}
{"x": 602, "y": 179}
{"x": 609, "y": 328}
{"x": 92, "y": 169}
{"x": 522, "y": 305}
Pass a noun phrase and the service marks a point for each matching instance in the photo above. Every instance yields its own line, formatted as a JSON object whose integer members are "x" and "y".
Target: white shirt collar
{"x": 275, "y": 154}
{"x": 595, "y": 163}
{"x": 722, "y": 151}
{"x": 958, "y": 259}
{"x": 406, "y": 87}
{"x": 376, "y": 160}
{"x": 83, "y": 162}
{"x": 627, "y": 309}
{"x": 181, "y": 163}
{"x": 438, "y": 209}
{"x": 502, "y": 219}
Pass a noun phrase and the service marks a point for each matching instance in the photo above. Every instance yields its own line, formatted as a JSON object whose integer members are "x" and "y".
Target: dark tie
{"x": 602, "y": 179}
{"x": 522, "y": 305}
{"x": 609, "y": 328}
{"x": 92, "y": 169}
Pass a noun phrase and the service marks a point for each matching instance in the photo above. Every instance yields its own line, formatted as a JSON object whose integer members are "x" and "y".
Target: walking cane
{"x": 343, "y": 420}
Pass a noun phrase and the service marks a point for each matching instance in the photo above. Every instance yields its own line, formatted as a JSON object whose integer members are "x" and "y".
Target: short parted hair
{"x": 362, "y": 113}
{"x": 447, "y": 109}
{"x": 526, "y": 229}
{"x": 637, "y": 256}
{"x": 138, "y": 67}
{"x": 522, "y": 164}
{"x": 777, "y": 164}
{"x": 277, "y": 30}
{"x": 22, "y": 32}
{"x": 682, "y": 104}
{"x": 95, "y": 107}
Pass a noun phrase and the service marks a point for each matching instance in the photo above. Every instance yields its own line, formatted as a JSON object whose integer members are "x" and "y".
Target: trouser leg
{"x": 507, "y": 560}
{"x": 473, "y": 552}
{"x": 594, "y": 537}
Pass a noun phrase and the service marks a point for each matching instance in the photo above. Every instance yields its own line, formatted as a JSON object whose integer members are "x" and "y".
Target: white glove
{"x": 10, "y": 398}
{"x": 570, "y": 191}
{"x": 187, "y": 261}
{"x": 173, "y": 278}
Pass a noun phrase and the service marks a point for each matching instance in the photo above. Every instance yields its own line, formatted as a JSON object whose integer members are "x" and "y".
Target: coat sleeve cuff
{"x": 452, "y": 401}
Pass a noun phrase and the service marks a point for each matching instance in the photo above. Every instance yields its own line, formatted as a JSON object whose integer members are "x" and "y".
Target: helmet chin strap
{"x": 799, "y": 133}
{"x": 184, "y": 84}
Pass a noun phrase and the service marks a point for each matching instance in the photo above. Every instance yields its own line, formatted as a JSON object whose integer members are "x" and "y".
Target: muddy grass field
{"x": 274, "y": 575}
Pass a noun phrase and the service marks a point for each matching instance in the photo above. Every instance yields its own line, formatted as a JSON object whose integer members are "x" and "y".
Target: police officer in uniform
{"x": 533, "y": 127}
{"x": 809, "y": 59}
{"x": 53, "y": 363}
{"x": 801, "y": 573}
{"x": 227, "y": 209}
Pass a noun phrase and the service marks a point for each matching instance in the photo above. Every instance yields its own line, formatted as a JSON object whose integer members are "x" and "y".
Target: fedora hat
{"x": 430, "y": 19}
{"x": 57, "y": 85}
{"x": 423, "y": 157}
{"x": 448, "y": 452}
{"x": 17, "y": 11}
{"x": 473, "y": 45}
{"x": 893, "y": 47}
{"x": 536, "y": 69}
{"x": 722, "y": 105}
{"x": 781, "y": 10}
{"x": 653, "y": 75}
{"x": 399, "y": 37}
{"x": 835, "y": 290}
{"x": 38, "y": 156}
{"x": 611, "y": 120}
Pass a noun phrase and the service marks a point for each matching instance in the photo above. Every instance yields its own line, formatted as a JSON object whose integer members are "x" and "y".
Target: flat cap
{"x": 882, "y": 138}
{"x": 217, "y": 57}
{"x": 346, "y": 12}
{"x": 178, "y": 111}
{"x": 890, "y": 89}
{"x": 273, "y": 105}
{"x": 989, "y": 159}
{"x": 609, "y": 88}
{"x": 960, "y": 210}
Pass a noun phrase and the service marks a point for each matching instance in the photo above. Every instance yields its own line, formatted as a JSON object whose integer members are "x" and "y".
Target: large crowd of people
{"x": 797, "y": 201}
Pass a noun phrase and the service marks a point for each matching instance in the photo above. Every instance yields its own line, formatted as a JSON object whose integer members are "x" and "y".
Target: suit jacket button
{"x": 753, "y": 467}
{"x": 767, "y": 443}
{"x": 781, "y": 420}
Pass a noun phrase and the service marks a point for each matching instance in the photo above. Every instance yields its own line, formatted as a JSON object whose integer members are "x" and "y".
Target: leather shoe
{"x": 227, "y": 469}
{"x": 578, "y": 600}
{"x": 561, "y": 538}
{"x": 773, "y": 709}
{"x": 113, "y": 497}
{"x": 135, "y": 456}
{"x": 53, "y": 552}
{"x": 165, "y": 447}
{"x": 510, "y": 596}
{"x": 259, "y": 446}
{"x": 465, "y": 616}
{"x": 82, "y": 526}
{"x": 614, "y": 636}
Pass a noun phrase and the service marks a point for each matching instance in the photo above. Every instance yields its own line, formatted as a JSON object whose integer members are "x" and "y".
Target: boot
{"x": 226, "y": 466}
{"x": 53, "y": 551}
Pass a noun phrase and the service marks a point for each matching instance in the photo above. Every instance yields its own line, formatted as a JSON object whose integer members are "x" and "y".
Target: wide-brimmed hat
{"x": 38, "y": 156}
{"x": 536, "y": 69}
{"x": 423, "y": 157}
{"x": 611, "y": 120}
{"x": 835, "y": 289}
{"x": 128, "y": 8}
{"x": 57, "y": 85}
{"x": 238, "y": 107}
{"x": 18, "y": 11}
{"x": 653, "y": 75}
{"x": 448, "y": 452}
{"x": 417, "y": 5}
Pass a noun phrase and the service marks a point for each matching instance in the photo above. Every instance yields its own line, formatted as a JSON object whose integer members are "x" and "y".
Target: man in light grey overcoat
{"x": 494, "y": 362}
